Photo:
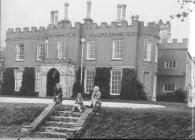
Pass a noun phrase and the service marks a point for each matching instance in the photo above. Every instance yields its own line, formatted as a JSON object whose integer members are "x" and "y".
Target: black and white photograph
{"x": 97, "y": 69}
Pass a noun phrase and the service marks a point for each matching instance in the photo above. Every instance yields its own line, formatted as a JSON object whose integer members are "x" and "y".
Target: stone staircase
{"x": 60, "y": 123}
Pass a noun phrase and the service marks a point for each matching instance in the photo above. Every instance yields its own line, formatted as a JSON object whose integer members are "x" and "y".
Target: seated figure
{"x": 79, "y": 103}
{"x": 95, "y": 97}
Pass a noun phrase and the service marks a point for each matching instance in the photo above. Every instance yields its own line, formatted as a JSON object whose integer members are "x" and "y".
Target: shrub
{"x": 8, "y": 82}
{"x": 77, "y": 87}
{"x": 102, "y": 79}
{"x": 177, "y": 96}
{"x": 28, "y": 82}
{"x": 131, "y": 88}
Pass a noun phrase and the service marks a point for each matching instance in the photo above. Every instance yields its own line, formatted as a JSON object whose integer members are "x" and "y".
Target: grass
{"x": 14, "y": 116}
{"x": 172, "y": 122}
{"x": 139, "y": 124}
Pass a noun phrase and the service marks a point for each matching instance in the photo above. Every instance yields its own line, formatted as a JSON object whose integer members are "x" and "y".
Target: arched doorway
{"x": 53, "y": 77}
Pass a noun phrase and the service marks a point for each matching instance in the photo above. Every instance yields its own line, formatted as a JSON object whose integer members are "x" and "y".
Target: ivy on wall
{"x": 8, "y": 82}
{"x": 28, "y": 82}
{"x": 131, "y": 88}
{"x": 77, "y": 87}
{"x": 102, "y": 79}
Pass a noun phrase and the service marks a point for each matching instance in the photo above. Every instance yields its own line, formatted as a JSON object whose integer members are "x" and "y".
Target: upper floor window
{"x": 147, "y": 50}
{"x": 117, "y": 49}
{"x": 156, "y": 54}
{"x": 169, "y": 87}
{"x": 91, "y": 50}
{"x": 62, "y": 49}
{"x": 42, "y": 51}
{"x": 20, "y": 52}
{"x": 170, "y": 64}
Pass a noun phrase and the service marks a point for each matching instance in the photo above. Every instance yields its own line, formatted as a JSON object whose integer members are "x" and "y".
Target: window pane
{"x": 116, "y": 82}
{"x": 89, "y": 80}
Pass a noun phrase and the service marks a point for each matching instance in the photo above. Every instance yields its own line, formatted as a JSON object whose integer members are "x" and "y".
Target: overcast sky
{"x": 28, "y": 13}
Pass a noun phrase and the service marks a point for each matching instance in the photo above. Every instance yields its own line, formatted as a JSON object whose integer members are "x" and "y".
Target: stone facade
{"x": 118, "y": 45}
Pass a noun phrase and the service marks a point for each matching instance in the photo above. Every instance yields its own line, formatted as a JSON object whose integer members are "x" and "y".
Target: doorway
{"x": 53, "y": 77}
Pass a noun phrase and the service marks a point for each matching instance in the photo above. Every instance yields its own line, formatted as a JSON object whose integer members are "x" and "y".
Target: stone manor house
{"x": 59, "y": 49}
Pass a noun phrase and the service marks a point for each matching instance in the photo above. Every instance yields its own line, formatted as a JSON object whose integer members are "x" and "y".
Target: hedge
{"x": 28, "y": 82}
{"x": 77, "y": 87}
{"x": 131, "y": 88}
{"x": 177, "y": 96}
{"x": 102, "y": 79}
{"x": 8, "y": 82}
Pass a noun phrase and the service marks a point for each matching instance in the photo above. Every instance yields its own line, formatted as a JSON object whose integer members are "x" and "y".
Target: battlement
{"x": 175, "y": 41}
{"x": 26, "y": 30}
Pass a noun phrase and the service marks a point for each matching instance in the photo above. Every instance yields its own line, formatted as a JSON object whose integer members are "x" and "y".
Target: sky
{"x": 28, "y": 13}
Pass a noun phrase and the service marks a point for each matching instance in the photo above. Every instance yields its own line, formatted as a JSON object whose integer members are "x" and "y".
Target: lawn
{"x": 14, "y": 116}
{"x": 139, "y": 124}
{"x": 172, "y": 122}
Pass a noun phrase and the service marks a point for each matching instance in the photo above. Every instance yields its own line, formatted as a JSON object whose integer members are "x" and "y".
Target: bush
{"x": 177, "y": 96}
{"x": 131, "y": 88}
{"x": 77, "y": 87}
{"x": 8, "y": 82}
{"x": 102, "y": 79}
{"x": 28, "y": 82}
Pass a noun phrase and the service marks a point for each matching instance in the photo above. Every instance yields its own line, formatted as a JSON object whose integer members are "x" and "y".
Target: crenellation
{"x": 25, "y": 29}
{"x": 174, "y": 41}
{"x": 18, "y": 30}
{"x": 94, "y": 25}
{"x": 114, "y": 24}
{"x": 185, "y": 41}
{"x": 124, "y": 23}
{"x": 34, "y": 29}
{"x": 10, "y": 30}
{"x": 42, "y": 28}
{"x": 77, "y": 25}
{"x": 103, "y": 25}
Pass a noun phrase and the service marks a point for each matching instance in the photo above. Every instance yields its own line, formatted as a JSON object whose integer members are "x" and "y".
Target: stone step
{"x": 66, "y": 113}
{"x": 54, "y": 134}
{"x": 63, "y": 108}
{"x": 56, "y": 129}
{"x": 63, "y": 118}
{"x": 59, "y": 124}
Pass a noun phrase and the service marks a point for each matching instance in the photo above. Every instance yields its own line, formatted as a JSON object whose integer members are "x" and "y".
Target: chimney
{"x": 123, "y": 11}
{"x": 118, "y": 12}
{"x": 136, "y": 18}
{"x": 56, "y": 17}
{"x": 88, "y": 9}
{"x": 52, "y": 17}
{"x": 66, "y": 11}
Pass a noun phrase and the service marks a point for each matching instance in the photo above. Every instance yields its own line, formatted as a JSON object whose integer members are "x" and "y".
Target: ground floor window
{"x": 146, "y": 81}
{"x": 169, "y": 87}
{"x": 90, "y": 75}
{"x": 18, "y": 79}
{"x": 38, "y": 81}
{"x": 116, "y": 77}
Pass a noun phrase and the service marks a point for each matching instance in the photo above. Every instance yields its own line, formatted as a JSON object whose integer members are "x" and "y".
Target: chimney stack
{"x": 88, "y": 9}
{"x": 56, "y": 19}
{"x": 118, "y": 12}
{"x": 66, "y": 11}
{"x": 123, "y": 11}
{"x": 52, "y": 17}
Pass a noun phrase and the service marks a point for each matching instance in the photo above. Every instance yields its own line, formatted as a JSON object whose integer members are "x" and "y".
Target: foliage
{"x": 102, "y": 79}
{"x": 77, "y": 87}
{"x": 8, "y": 82}
{"x": 177, "y": 96}
{"x": 28, "y": 82}
{"x": 185, "y": 9}
{"x": 131, "y": 88}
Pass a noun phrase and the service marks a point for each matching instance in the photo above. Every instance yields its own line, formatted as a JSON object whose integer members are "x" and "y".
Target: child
{"x": 58, "y": 94}
{"x": 95, "y": 97}
{"x": 78, "y": 103}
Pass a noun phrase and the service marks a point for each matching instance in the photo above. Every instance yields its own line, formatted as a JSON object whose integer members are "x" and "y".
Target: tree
{"x": 186, "y": 7}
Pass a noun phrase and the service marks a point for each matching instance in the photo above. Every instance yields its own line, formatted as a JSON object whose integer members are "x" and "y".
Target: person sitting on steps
{"x": 58, "y": 94}
{"x": 95, "y": 97}
{"x": 78, "y": 103}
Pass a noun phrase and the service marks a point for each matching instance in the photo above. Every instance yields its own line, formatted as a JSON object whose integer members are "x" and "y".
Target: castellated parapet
{"x": 174, "y": 43}
{"x": 150, "y": 29}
